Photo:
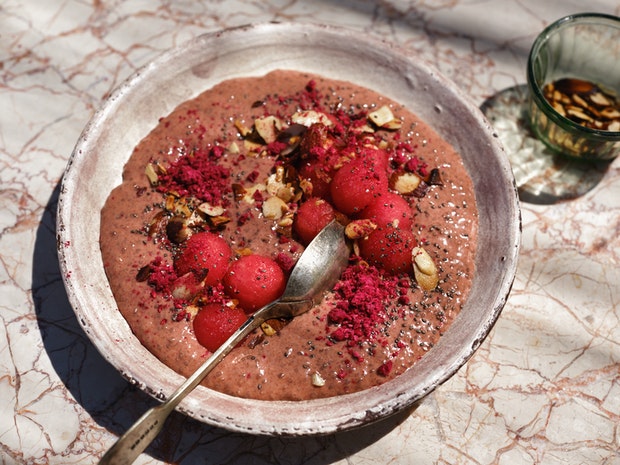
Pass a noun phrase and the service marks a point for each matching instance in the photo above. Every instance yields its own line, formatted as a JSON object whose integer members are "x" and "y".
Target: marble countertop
{"x": 544, "y": 388}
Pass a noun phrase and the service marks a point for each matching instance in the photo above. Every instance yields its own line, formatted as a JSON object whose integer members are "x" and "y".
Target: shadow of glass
{"x": 542, "y": 176}
{"x": 115, "y": 404}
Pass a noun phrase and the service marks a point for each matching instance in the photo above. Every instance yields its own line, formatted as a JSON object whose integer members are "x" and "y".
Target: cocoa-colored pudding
{"x": 255, "y": 166}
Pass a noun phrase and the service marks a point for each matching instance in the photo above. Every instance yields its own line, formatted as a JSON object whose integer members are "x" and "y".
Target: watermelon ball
{"x": 390, "y": 249}
{"x": 319, "y": 177}
{"x": 215, "y": 323}
{"x": 204, "y": 251}
{"x": 356, "y": 184}
{"x": 254, "y": 280}
{"x": 312, "y": 216}
{"x": 389, "y": 210}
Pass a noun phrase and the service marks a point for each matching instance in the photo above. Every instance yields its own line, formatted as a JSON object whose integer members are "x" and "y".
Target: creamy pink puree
{"x": 283, "y": 366}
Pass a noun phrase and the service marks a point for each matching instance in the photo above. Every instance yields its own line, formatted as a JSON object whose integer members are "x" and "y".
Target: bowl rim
{"x": 321, "y": 416}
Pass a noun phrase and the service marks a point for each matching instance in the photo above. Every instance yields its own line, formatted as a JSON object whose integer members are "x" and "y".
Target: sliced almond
{"x": 614, "y": 126}
{"x": 317, "y": 379}
{"x": 268, "y": 128}
{"x": 252, "y": 147}
{"x": 274, "y": 208}
{"x": 211, "y": 210}
{"x": 151, "y": 174}
{"x": 309, "y": 117}
{"x": 267, "y": 329}
{"x": 598, "y": 98}
{"x": 234, "y": 148}
{"x": 244, "y": 131}
{"x": 358, "y": 229}
{"x": 404, "y": 182}
{"x": 424, "y": 269}
{"x": 384, "y": 118}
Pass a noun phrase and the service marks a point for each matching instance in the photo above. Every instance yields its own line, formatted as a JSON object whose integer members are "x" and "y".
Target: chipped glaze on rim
{"x": 96, "y": 164}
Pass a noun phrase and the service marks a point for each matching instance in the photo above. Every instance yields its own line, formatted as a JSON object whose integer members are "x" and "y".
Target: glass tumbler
{"x": 580, "y": 56}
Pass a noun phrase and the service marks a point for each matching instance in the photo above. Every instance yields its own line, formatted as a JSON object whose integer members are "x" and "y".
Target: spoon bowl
{"x": 316, "y": 271}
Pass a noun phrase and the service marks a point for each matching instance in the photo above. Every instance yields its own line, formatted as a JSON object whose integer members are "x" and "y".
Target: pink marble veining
{"x": 544, "y": 388}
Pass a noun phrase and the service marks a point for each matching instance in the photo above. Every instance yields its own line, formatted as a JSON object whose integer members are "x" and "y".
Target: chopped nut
{"x": 239, "y": 192}
{"x": 267, "y": 329}
{"x": 286, "y": 221}
{"x": 157, "y": 224}
{"x": 275, "y": 186}
{"x": 177, "y": 229}
{"x": 244, "y": 131}
{"x": 384, "y": 118}
{"x": 599, "y": 99}
{"x": 268, "y": 128}
{"x": 151, "y": 174}
{"x": 211, "y": 210}
{"x": 192, "y": 310}
{"x": 317, "y": 380}
{"x": 583, "y": 103}
{"x": 358, "y": 229}
{"x": 306, "y": 187}
{"x": 274, "y": 207}
{"x": 251, "y": 146}
{"x": 273, "y": 326}
{"x": 424, "y": 269}
{"x": 243, "y": 252}
{"x": 404, "y": 182}
{"x": 309, "y": 117}
{"x": 233, "y": 148}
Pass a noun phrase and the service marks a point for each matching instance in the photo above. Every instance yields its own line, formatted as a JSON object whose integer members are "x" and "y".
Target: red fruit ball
{"x": 390, "y": 249}
{"x": 204, "y": 251}
{"x": 215, "y": 323}
{"x": 312, "y": 216}
{"x": 356, "y": 184}
{"x": 389, "y": 210}
{"x": 254, "y": 280}
{"x": 319, "y": 177}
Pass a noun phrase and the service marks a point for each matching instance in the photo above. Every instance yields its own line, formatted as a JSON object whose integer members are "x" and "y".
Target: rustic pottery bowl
{"x": 133, "y": 109}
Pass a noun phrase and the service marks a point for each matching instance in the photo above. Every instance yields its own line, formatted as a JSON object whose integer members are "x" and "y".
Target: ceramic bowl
{"x": 130, "y": 113}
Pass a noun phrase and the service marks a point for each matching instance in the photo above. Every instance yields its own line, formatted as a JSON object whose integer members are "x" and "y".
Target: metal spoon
{"x": 316, "y": 271}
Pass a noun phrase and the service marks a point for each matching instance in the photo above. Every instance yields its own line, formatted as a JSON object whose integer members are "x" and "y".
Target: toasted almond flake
{"x": 268, "y": 128}
{"x": 579, "y": 101}
{"x": 151, "y": 174}
{"x": 274, "y": 208}
{"x": 233, "y": 148}
{"x": 248, "y": 196}
{"x": 267, "y": 329}
{"x": 192, "y": 310}
{"x": 317, "y": 380}
{"x": 244, "y": 251}
{"x": 424, "y": 269}
{"x": 599, "y": 99}
{"x": 578, "y": 113}
{"x": 358, "y": 229}
{"x": 286, "y": 221}
{"x": 610, "y": 113}
{"x": 404, "y": 183}
{"x": 244, "y": 131}
{"x": 306, "y": 187}
{"x": 218, "y": 221}
{"x": 384, "y": 118}
{"x": 211, "y": 210}
{"x": 614, "y": 126}
{"x": 252, "y": 147}
{"x": 309, "y": 117}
